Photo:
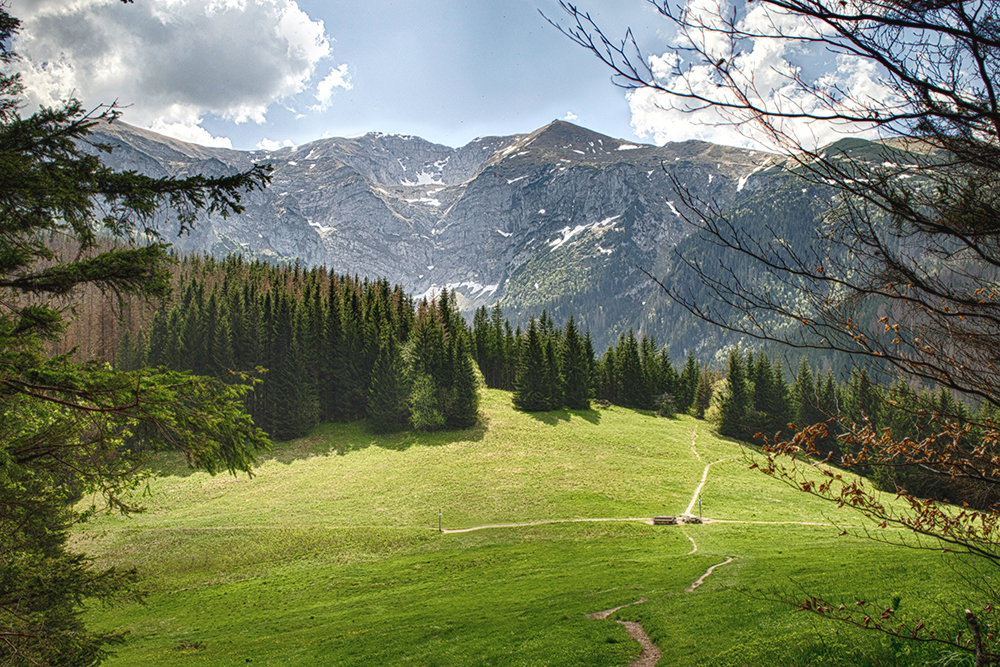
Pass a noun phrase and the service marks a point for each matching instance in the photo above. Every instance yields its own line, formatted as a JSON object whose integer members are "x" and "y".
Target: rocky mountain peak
{"x": 558, "y": 218}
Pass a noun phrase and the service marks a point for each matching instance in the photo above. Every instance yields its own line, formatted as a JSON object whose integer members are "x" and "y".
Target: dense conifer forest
{"x": 334, "y": 348}
{"x": 328, "y": 347}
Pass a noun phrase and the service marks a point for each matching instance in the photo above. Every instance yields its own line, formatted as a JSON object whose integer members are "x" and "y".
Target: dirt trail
{"x": 708, "y": 572}
{"x": 601, "y": 615}
{"x": 694, "y": 545}
{"x": 704, "y": 475}
{"x": 538, "y": 523}
{"x": 650, "y": 654}
{"x": 701, "y": 485}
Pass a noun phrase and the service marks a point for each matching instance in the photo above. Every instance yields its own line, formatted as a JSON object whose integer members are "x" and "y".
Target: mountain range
{"x": 560, "y": 219}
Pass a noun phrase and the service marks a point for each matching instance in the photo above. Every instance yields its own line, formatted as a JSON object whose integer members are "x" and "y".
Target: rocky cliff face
{"x": 555, "y": 219}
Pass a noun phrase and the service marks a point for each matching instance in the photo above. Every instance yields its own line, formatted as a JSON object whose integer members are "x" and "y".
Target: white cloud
{"x": 570, "y": 117}
{"x": 766, "y": 69}
{"x": 190, "y": 132}
{"x": 271, "y": 145}
{"x": 172, "y": 62}
{"x": 338, "y": 77}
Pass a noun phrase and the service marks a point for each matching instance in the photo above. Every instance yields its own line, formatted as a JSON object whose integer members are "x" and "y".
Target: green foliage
{"x": 576, "y": 369}
{"x": 425, "y": 414}
{"x": 387, "y": 396}
{"x": 465, "y": 404}
{"x": 322, "y": 340}
{"x": 737, "y": 406}
{"x": 530, "y": 391}
{"x": 70, "y": 428}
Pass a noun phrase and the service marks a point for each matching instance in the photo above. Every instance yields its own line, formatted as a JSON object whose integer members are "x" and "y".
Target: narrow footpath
{"x": 650, "y": 654}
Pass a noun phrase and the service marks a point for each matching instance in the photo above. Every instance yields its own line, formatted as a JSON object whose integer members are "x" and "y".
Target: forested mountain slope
{"x": 560, "y": 219}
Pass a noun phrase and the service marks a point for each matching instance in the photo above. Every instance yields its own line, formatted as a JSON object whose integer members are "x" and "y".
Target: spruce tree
{"x": 576, "y": 369}
{"x": 465, "y": 406}
{"x": 806, "y": 398}
{"x": 72, "y": 429}
{"x": 333, "y": 361}
{"x": 608, "y": 377}
{"x": 687, "y": 385}
{"x": 703, "y": 393}
{"x": 552, "y": 380}
{"x": 864, "y": 403}
{"x": 736, "y": 406}
{"x": 588, "y": 351}
{"x": 634, "y": 392}
{"x": 530, "y": 394}
{"x": 387, "y": 397}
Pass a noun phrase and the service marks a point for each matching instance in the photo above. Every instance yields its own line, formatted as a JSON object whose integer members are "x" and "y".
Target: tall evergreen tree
{"x": 71, "y": 429}
{"x": 864, "y": 403}
{"x": 576, "y": 369}
{"x": 805, "y": 397}
{"x": 552, "y": 380}
{"x": 737, "y": 404}
{"x": 634, "y": 392}
{"x": 687, "y": 385}
{"x": 465, "y": 407}
{"x": 703, "y": 394}
{"x": 530, "y": 393}
{"x": 387, "y": 397}
{"x": 609, "y": 379}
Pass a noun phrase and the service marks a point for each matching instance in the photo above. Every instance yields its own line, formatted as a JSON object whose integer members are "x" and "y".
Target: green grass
{"x": 330, "y": 554}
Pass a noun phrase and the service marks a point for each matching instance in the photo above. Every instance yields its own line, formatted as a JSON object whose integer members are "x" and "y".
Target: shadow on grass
{"x": 343, "y": 438}
{"x": 553, "y": 417}
{"x": 332, "y": 438}
{"x": 170, "y": 464}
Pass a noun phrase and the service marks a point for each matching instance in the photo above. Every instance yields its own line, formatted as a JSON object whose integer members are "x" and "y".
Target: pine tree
{"x": 465, "y": 407}
{"x": 652, "y": 372}
{"x": 608, "y": 388}
{"x": 552, "y": 380}
{"x": 529, "y": 384}
{"x": 805, "y": 397}
{"x": 737, "y": 405}
{"x": 588, "y": 350}
{"x": 864, "y": 402}
{"x": 218, "y": 354}
{"x": 770, "y": 397}
{"x": 333, "y": 362}
{"x": 576, "y": 369}
{"x": 71, "y": 429}
{"x": 634, "y": 392}
{"x": 687, "y": 385}
{"x": 387, "y": 397}
{"x": 703, "y": 394}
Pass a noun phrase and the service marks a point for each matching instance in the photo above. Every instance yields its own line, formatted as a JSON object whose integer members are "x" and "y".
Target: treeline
{"x": 549, "y": 367}
{"x": 335, "y": 348}
{"x": 754, "y": 398}
{"x": 338, "y": 348}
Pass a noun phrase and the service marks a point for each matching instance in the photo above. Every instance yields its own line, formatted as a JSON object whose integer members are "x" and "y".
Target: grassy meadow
{"x": 331, "y": 555}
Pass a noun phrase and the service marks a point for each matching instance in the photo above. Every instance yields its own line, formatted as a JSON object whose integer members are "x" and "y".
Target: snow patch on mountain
{"x": 567, "y": 232}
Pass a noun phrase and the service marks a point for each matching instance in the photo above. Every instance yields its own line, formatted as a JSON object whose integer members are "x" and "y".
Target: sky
{"x": 267, "y": 73}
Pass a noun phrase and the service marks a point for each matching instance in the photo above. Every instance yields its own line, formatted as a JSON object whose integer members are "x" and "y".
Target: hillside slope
{"x": 331, "y": 554}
